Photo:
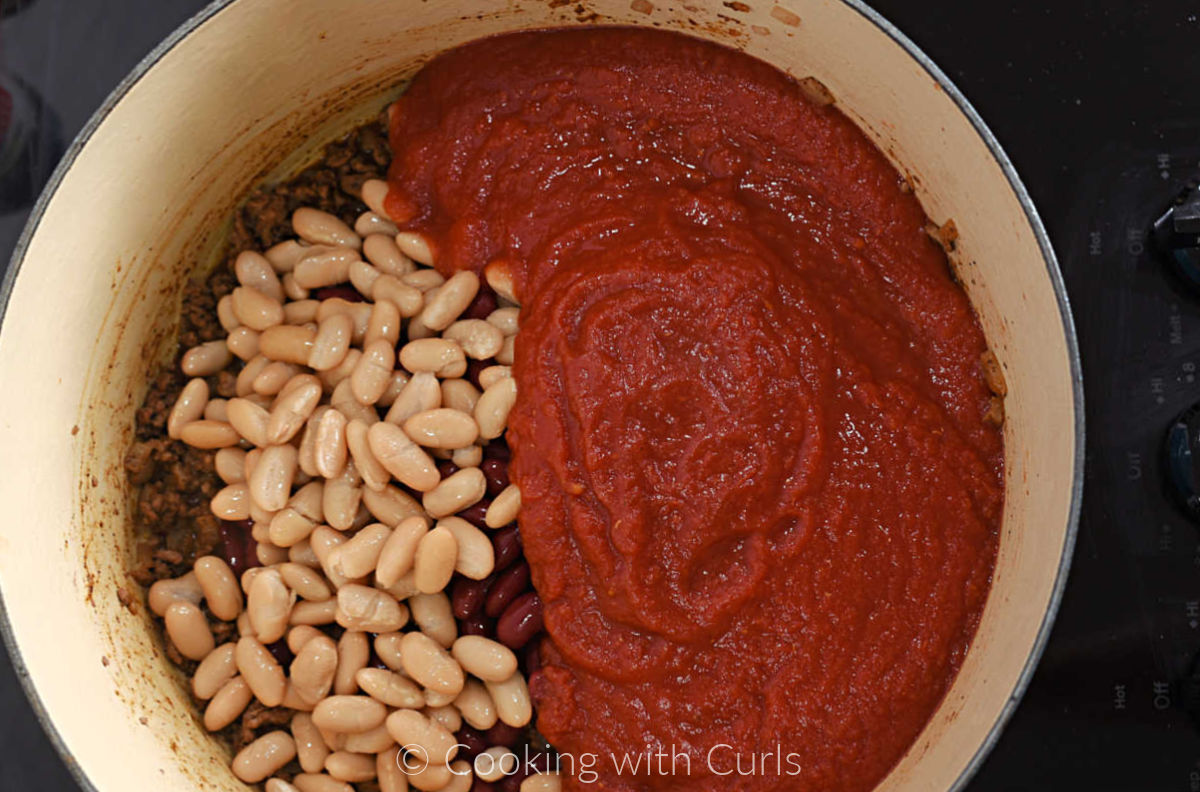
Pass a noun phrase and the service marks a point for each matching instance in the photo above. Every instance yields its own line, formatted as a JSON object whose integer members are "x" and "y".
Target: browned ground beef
{"x": 174, "y": 482}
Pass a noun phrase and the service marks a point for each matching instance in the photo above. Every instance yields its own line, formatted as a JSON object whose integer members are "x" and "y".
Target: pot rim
{"x": 932, "y": 70}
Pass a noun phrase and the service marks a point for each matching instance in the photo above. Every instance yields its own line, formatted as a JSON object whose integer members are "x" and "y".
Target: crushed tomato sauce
{"x": 759, "y": 498}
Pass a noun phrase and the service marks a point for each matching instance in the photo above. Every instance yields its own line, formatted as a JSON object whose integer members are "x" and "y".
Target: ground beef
{"x": 173, "y": 483}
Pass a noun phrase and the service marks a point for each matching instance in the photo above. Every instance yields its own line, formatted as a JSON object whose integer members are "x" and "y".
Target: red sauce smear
{"x": 760, "y": 501}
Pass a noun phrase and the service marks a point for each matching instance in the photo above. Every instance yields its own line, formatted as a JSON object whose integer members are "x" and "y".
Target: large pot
{"x": 251, "y": 89}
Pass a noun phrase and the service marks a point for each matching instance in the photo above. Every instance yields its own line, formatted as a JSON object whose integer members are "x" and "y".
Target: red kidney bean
{"x": 482, "y": 786}
{"x": 280, "y": 651}
{"x": 476, "y": 366}
{"x": 520, "y": 621}
{"x": 532, "y": 659}
{"x": 343, "y": 290}
{"x": 496, "y": 472}
{"x": 511, "y": 783}
{"x": 497, "y": 449}
{"x": 503, "y": 734}
{"x": 238, "y": 547}
{"x": 476, "y": 515}
{"x": 467, "y": 596}
{"x": 506, "y": 547}
{"x": 477, "y": 626}
{"x": 510, "y": 584}
{"x": 539, "y": 762}
{"x": 474, "y": 742}
{"x": 483, "y": 304}
{"x": 446, "y": 468}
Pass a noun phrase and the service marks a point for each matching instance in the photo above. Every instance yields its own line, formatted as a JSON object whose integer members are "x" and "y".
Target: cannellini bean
{"x": 319, "y": 782}
{"x": 398, "y": 553}
{"x": 451, "y": 300}
{"x": 426, "y": 280}
{"x": 264, "y": 756}
{"x": 249, "y": 419}
{"x": 293, "y": 290}
{"x": 456, "y": 492}
{"x": 432, "y": 613}
{"x": 322, "y": 228}
{"x": 250, "y": 372}
{"x": 362, "y": 276}
{"x": 391, "y": 504}
{"x": 349, "y": 714}
{"x": 287, "y": 343}
{"x": 273, "y": 378}
{"x": 229, "y": 702}
{"x": 371, "y": 223}
{"x": 495, "y": 763}
{"x": 374, "y": 475}
{"x": 442, "y": 428}
{"x": 270, "y": 555}
{"x": 288, "y": 527}
{"x": 433, "y": 562}
{"x": 243, "y": 342}
{"x": 389, "y": 688}
{"x": 369, "y": 609}
{"x": 475, "y": 558}
{"x": 271, "y": 483}
{"x": 431, "y": 778}
{"x": 302, "y": 553}
{"x": 188, "y": 630}
{"x": 512, "y": 700}
{"x": 322, "y": 265}
{"x": 300, "y": 635}
{"x": 358, "y": 556}
{"x": 169, "y": 590}
{"x": 215, "y": 410}
{"x": 220, "y": 587}
{"x": 313, "y": 669}
{"x": 499, "y": 275}
{"x": 315, "y": 612}
{"x": 301, "y": 312}
{"x": 401, "y": 457}
{"x": 255, "y": 271}
{"x": 461, "y": 395}
{"x": 408, "y": 299}
{"x": 310, "y": 747}
{"x": 306, "y": 582}
{"x": 206, "y": 359}
{"x": 283, "y": 256}
{"x": 329, "y": 444}
{"x": 421, "y": 393}
{"x": 225, "y": 315}
{"x": 388, "y": 773}
{"x": 430, "y": 664}
{"x": 374, "y": 193}
{"x": 489, "y": 660}
{"x": 395, "y": 384}
{"x": 479, "y": 339}
{"x": 491, "y": 412}
{"x": 354, "y": 651}
{"x": 261, "y": 672}
{"x": 342, "y": 498}
{"x": 373, "y": 371}
{"x": 307, "y": 500}
{"x": 507, "y": 353}
{"x": 446, "y": 715}
{"x": 504, "y": 508}
{"x": 381, "y": 250}
{"x": 440, "y": 356}
{"x": 470, "y": 456}
{"x": 293, "y": 408}
{"x": 435, "y": 699}
{"x": 387, "y": 649}
{"x": 426, "y": 739}
{"x": 214, "y": 671}
{"x": 269, "y": 604}
{"x": 542, "y": 782}
{"x": 188, "y": 407}
{"x": 475, "y": 706}
{"x": 359, "y": 313}
{"x": 416, "y": 246}
{"x": 493, "y": 374}
{"x": 232, "y": 503}
{"x": 209, "y": 434}
{"x": 350, "y": 767}
{"x": 255, "y": 309}
{"x": 384, "y": 324}
{"x": 332, "y": 342}
{"x": 507, "y": 320}
{"x": 370, "y": 742}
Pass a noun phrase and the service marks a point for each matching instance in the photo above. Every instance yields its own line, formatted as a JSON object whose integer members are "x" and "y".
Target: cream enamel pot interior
{"x": 249, "y": 90}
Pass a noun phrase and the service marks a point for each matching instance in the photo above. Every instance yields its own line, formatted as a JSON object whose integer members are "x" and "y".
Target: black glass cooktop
{"x": 1098, "y": 104}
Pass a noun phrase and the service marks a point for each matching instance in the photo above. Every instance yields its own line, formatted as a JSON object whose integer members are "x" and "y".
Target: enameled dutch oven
{"x": 251, "y": 89}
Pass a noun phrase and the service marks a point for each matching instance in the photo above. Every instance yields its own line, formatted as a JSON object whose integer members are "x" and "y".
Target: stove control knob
{"x": 1182, "y": 460}
{"x": 1177, "y": 235}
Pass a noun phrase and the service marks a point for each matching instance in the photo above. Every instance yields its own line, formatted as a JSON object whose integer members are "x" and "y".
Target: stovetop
{"x": 1097, "y": 104}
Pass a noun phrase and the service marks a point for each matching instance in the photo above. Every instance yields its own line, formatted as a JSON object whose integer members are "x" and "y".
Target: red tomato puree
{"x": 760, "y": 500}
